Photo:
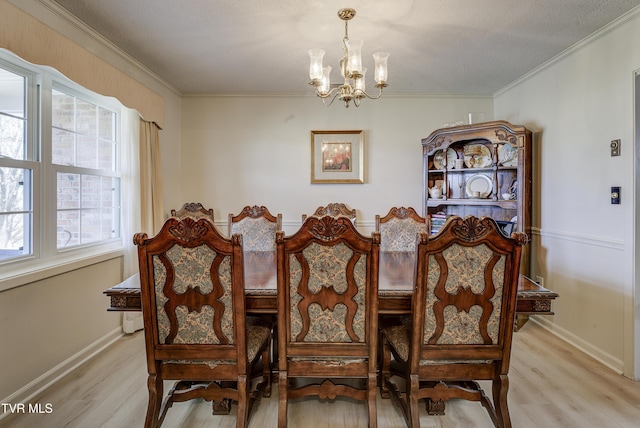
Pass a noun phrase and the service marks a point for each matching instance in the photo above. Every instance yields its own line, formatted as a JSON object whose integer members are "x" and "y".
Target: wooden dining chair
{"x": 399, "y": 229}
{"x": 257, "y": 226}
{"x": 327, "y": 312}
{"x": 195, "y": 328}
{"x": 334, "y": 209}
{"x": 194, "y": 210}
{"x": 462, "y": 321}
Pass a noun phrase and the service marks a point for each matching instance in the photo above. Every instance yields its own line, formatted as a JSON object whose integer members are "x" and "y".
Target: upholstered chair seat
{"x": 257, "y": 338}
{"x": 399, "y": 337}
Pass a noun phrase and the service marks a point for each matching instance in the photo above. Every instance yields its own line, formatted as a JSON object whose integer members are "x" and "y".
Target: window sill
{"x": 32, "y": 273}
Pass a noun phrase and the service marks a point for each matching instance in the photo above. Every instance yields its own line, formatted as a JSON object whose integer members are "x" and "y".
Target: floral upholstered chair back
{"x": 194, "y": 210}
{"x": 468, "y": 280}
{"x": 187, "y": 283}
{"x": 399, "y": 229}
{"x": 461, "y": 323}
{"x": 329, "y": 281}
{"x": 327, "y": 312}
{"x": 257, "y": 226}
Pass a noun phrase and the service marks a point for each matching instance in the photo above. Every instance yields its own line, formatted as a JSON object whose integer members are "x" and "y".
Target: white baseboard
{"x": 36, "y": 386}
{"x": 615, "y": 364}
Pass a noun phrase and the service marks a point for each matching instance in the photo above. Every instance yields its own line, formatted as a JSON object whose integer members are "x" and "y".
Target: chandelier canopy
{"x": 351, "y": 68}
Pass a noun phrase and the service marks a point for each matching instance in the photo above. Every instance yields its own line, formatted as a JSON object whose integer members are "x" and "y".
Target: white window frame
{"x": 81, "y": 93}
{"x": 45, "y": 259}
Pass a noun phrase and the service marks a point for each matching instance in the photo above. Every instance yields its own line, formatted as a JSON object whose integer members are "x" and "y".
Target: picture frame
{"x": 337, "y": 157}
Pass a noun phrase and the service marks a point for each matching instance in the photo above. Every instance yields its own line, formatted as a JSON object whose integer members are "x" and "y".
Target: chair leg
{"x": 266, "y": 370}
{"x": 283, "y": 386}
{"x": 413, "y": 387}
{"x": 500, "y": 388}
{"x": 274, "y": 341}
{"x": 385, "y": 371}
{"x": 243, "y": 405}
{"x": 154, "y": 384}
{"x": 372, "y": 388}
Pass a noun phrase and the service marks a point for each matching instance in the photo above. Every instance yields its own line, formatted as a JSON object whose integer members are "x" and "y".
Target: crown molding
{"x": 59, "y": 19}
{"x": 633, "y": 13}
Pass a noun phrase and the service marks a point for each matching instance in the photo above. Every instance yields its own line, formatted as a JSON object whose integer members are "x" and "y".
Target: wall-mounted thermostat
{"x": 615, "y": 147}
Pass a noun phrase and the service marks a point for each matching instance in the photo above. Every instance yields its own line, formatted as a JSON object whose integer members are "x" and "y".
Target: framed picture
{"x": 337, "y": 157}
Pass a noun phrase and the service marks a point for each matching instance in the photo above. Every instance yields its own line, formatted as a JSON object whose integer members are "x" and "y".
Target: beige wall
{"x": 257, "y": 150}
{"x": 584, "y": 246}
{"x": 46, "y": 322}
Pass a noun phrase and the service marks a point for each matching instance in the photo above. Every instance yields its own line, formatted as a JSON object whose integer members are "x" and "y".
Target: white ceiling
{"x": 260, "y": 46}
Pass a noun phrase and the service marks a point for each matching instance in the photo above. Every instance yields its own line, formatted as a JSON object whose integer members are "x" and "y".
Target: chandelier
{"x": 353, "y": 88}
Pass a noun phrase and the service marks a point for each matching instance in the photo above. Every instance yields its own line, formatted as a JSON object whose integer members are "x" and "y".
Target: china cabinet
{"x": 482, "y": 169}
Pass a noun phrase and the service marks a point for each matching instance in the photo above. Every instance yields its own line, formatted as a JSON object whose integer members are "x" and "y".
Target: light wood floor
{"x": 552, "y": 385}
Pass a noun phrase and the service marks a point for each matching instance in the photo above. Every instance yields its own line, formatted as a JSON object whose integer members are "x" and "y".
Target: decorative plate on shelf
{"x": 507, "y": 155}
{"x": 479, "y": 183}
{"x": 439, "y": 160}
{"x": 477, "y": 156}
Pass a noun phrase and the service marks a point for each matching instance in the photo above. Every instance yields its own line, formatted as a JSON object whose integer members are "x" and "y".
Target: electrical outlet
{"x": 540, "y": 280}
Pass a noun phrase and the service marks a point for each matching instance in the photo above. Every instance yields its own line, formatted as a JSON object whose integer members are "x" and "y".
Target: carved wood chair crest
{"x": 194, "y": 210}
{"x": 334, "y": 209}
{"x": 471, "y": 229}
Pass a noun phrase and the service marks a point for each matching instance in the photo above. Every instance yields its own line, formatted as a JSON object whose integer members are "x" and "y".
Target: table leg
{"x": 521, "y": 320}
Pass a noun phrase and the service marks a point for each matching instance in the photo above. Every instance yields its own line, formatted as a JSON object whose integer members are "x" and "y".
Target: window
{"x": 60, "y": 185}
{"x": 16, "y": 163}
{"x": 84, "y": 151}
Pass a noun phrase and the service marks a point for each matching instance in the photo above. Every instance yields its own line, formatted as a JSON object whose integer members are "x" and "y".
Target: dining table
{"x": 395, "y": 288}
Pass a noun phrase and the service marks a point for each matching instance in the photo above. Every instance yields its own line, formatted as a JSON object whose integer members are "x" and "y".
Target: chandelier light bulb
{"x": 359, "y": 83}
{"x": 325, "y": 81}
{"x": 380, "y": 59}
{"x": 354, "y": 57}
{"x": 315, "y": 67}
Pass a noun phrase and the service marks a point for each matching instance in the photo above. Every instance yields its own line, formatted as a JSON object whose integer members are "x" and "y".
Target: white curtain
{"x": 130, "y": 167}
{"x": 131, "y": 217}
